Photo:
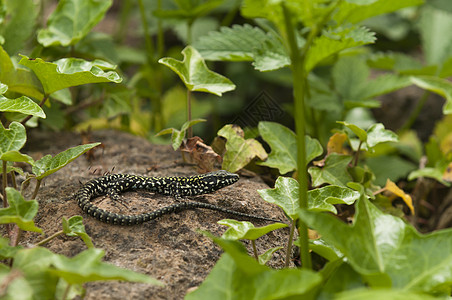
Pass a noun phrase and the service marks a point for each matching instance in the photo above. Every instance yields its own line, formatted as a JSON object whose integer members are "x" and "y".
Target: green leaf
{"x": 17, "y": 157}
{"x": 282, "y": 142}
{"x": 87, "y": 266}
{"x": 195, "y": 74}
{"x": 377, "y": 134}
{"x": 18, "y": 80}
{"x": 74, "y": 227}
{"x": 226, "y": 281}
{"x": 236, "y": 43}
{"x": 389, "y": 166}
{"x": 34, "y": 264}
{"x": 437, "y": 85}
{"x": 188, "y": 9}
{"x": 71, "y": 21}
{"x": 354, "y": 12}
{"x": 67, "y": 72}
{"x": 360, "y": 133}
{"x": 49, "y": 165}
{"x": 267, "y": 9}
{"x": 334, "y": 41}
{"x": 388, "y": 251}
{"x": 239, "y": 230}
{"x": 267, "y": 255}
{"x": 21, "y": 20}
{"x": 378, "y": 294}
{"x": 22, "y": 105}
{"x": 334, "y": 172}
{"x": 286, "y": 194}
{"x": 433, "y": 27}
{"x": 239, "y": 152}
{"x": 12, "y": 139}
{"x": 434, "y": 173}
{"x": 177, "y": 136}
{"x": 19, "y": 211}
{"x": 3, "y": 88}
{"x": 7, "y": 251}
{"x": 271, "y": 55}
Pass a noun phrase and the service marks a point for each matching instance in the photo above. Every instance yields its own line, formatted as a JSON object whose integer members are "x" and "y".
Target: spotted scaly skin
{"x": 178, "y": 187}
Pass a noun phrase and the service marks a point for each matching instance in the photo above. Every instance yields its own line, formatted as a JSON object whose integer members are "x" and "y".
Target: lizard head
{"x": 219, "y": 179}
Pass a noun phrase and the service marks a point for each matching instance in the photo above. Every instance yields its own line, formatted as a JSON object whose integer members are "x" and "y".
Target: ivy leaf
{"x": 286, "y": 194}
{"x": 283, "y": 144}
{"x": 267, "y": 255}
{"x": 11, "y": 139}
{"x": 354, "y": 12}
{"x": 388, "y": 251}
{"x": 236, "y": 43}
{"x": 177, "y": 136}
{"x": 74, "y": 227}
{"x": 239, "y": 152}
{"x": 19, "y": 25}
{"x": 22, "y": 105}
{"x": 334, "y": 172}
{"x": 71, "y": 21}
{"x": 334, "y": 41}
{"x": 67, "y": 72}
{"x": 243, "y": 230}
{"x": 235, "y": 267}
{"x": 193, "y": 71}
{"x": 437, "y": 85}
{"x": 360, "y": 133}
{"x": 18, "y": 80}
{"x": 377, "y": 294}
{"x": 19, "y": 211}
{"x": 7, "y": 251}
{"x": 87, "y": 266}
{"x": 49, "y": 165}
{"x": 375, "y": 135}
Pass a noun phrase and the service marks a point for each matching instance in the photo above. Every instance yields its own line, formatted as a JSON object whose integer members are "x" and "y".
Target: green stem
{"x": 66, "y": 291}
{"x": 5, "y": 182}
{"x": 189, "y": 130}
{"x": 299, "y": 81}
{"x": 417, "y": 110}
{"x": 357, "y": 154}
{"x": 160, "y": 35}
{"x": 46, "y": 240}
{"x": 147, "y": 36}
{"x": 289, "y": 244}
{"x": 253, "y": 243}
{"x": 35, "y": 192}
{"x": 44, "y": 99}
{"x": 13, "y": 180}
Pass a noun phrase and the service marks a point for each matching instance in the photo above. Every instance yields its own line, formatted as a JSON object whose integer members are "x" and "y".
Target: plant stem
{"x": 253, "y": 243}
{"x": 13, "y": 180}
{"x": 46, "y": 240}
{"x": 415, "y": 114}
{"x": 44, "y": 99}
{"x": 355, "y": 163}
{"x": 289, "y": 243}
{"x": 160, "y": 35}
{"x": 5, "y": 182}
{"x": 35, "y": 192}
{"x": 189, "y": 130}
{"x": 299, "y": 81}
{"x": 66, "y": 291}
{"x": 15, "y": 235}
{"x": 147, "y": 37}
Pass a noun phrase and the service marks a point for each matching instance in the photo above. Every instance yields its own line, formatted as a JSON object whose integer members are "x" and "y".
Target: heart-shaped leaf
{"x": 334, "y": 172}
{"x": 22, "y": 105}
{"x": 193, "y": 71}
{"x": 283, "y": 143}
{"x": 74, "y": 227}
{"x": 239, "y": 230}
{"x": 67, "y": 72}
{"x": 11, "y": 139}
{"x": 388, "y": 251}
{"x": 71, "y": 21}
{"x": 285, "y": 195}
{"x": 19, "y": 211}
{"x": 49, "y": 165}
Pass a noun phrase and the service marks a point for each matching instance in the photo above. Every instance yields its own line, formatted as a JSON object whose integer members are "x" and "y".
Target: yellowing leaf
{"x": 393, "y": 188}
{"x": 336, "y": 142}
{"x": 447, "y": 175}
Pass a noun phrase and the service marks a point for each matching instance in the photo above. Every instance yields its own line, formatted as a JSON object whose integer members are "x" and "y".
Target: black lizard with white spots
{"x": 178, "y": 187}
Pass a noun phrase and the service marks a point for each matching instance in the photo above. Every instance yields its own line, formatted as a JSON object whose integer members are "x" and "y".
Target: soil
{"x": 170, "y": 249}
